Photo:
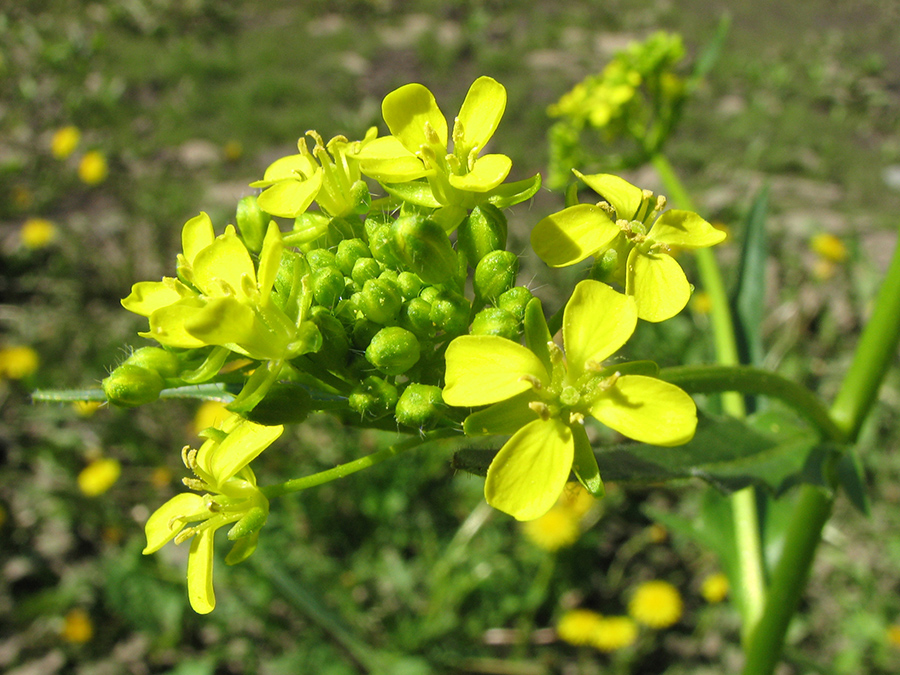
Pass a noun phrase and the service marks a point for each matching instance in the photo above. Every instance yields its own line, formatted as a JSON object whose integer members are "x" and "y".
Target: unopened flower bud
{"x": 335, "y": 344}
{"x": 496, "y": 274}
{"x": 482, "y": 232}
{"x": 393, "y": 350}
{"x": 130, "y": 385}
{"x": 496, "y": 321}
{"x": 424, "y": 248}
{"x": 348, "y": 252}
{"x": 410, "y": 284}
{"x": 364, "y": 269}
{"x": 159, "y": 360}
{"x": 450, "y": 312}
{"x": 420, "y": 406}
{"x": 515, "y": 300}
{"x": 381, "y": 243}
{"x": 252, "y": 222}
{"x": 416, "y": 317}
{"x": 373, "y": 398}
{"x": 319, "y": 258}
{"x": 327, "y": 286}
{"x": 380, "y": 300}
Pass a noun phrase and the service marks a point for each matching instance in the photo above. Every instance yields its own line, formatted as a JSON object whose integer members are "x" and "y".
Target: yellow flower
{"x": 92, "y": 169}
{"x": 86, "y": 408}
{"x": 233, "y": 150}
{"x": 613, "y": 633}
{"x": 577, "y": 626}
{"x": 556, "y": 529}
{"x": 576, "y": 499}
{"x": 714, "y": 588}
{"x": 37, "y": 233}
{"x": 657, "y": 533}
{"x": 209, "y": 414}
{"x": 161, "y": 477}
{"x": 701, "y": 302}
{"x": 656, "y": 604}
{"x": 893, "y": 635}
{"x": 64, "y": 141}
{"x": 98, "y": 476}
{"x": 18, "y": 362}
{"x": 829, "y": 247}
{"x": 77, "y": 627}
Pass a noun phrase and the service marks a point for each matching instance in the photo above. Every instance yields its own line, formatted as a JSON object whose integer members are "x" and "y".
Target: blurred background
{"x": 121, "y": 120}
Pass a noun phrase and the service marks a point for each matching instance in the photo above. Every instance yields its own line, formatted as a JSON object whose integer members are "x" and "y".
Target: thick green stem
{"x": 875, "y": 351}
{"x": 342, "y": 470}
{"x": 743, "y": 502}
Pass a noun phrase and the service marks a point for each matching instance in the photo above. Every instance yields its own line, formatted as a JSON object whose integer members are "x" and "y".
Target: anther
{"x": 541, "y": 409}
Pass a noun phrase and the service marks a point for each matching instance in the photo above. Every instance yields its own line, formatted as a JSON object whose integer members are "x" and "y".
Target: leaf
{"x": 850, "y": 474}
{"x": 770, "y": 450}
{"x": 749, "y": 298}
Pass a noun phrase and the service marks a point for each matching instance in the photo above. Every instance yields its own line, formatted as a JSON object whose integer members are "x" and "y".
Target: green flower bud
{"x": 310, "y": 230}
{"x": 496, "y": 274}
{"x": 482, "y": 232}
{"x": 360, "y": 197}
{"x": 424, "y": 248}
{"x": 416, "y": 317}
{"x": 380, "y": 300}
{"x": 129, "y": 386}
{"x": 381, "y": 243}
{"x": 373, "y": 398}
{"x": 252, "y": 222}
{"x": 496, "y": 321}
{"x": 335, "y": 344}
{"x": 450, "y": 312}
{"x": 348, "y": 252}
{"x": 327, "y": 286}
{"x": 393, "y": 350}
{"x": 363, "y": 332}
{"x": 514, "y": 300}
{"x": 420, "y": 406}
{"x": 159, "y": 360}
{"x": 410, "y": 285}
{"x": 365, "y": 269}
{"x": 319, "y": 258}
{"x": 285, "y": 403}
{"x": 291, "y": 270}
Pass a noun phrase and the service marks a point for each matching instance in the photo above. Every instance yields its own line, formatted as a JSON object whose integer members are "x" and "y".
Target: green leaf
{"x": 749, "y": 298}
{"x": 851, "y": 477}
{"x": 770, "y": 450}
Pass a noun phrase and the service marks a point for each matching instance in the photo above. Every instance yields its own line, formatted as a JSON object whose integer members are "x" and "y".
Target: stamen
{"x": 194, "y": 484}
{"x": 535, "y": 383}
{"x": 576, "y": 418}
{"x": 185, "y": 534}
{"x": 609, "y": 382}
{"x": 541, "y": 408}
{"x": 431, "y": 136}
{"x": 186, "y": 457}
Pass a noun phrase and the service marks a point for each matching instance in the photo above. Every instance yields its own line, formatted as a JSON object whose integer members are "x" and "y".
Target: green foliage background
{"x": 402, "y": 569}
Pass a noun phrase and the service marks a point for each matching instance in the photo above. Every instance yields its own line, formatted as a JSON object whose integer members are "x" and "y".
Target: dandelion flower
{"x": 577, "y": 626}
{"x": 98, "y": 476}
{"x": 613, "y": 633}
{"x": 93, "y": 169}
{"x": 714, "y": 588}
{"x": 37, "y": 233}
{"x": 829, "y": 247}
{"x": 77, "y": 627}
{"x": 556, "y": 529}
{"x": 64, "y": 141}
{"x": 656, "y": 604}
{"x": 18, "y": 362}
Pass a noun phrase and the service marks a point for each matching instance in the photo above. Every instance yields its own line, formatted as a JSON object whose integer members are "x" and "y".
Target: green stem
{"x": 749, "y": 380}
{"x": 342, "y": 470}
{"x": 874, "y": 354}
{"x": 743, "y": 502}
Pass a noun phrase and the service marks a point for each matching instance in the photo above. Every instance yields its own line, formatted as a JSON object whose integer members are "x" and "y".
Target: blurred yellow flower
{"x": 92, "y": 169}
{"x": 893, "y": 635}
{"x": 161, "y": 477}
{"x": 37, "y": 233}
{"x": 714, "y": 588}
{"x": 18, "y": 362}
{"x": 701, "y": 302}
{"x": 86, "y": 408}
{"x": 77, "y": 627}
{"x": 64, "y": 141}
{"x": 556, "y": 529}
{"x": 576, "y": 499}
{"x": 613, "y": 633}
{"x": 98, "y": 476}
{"x": 657, "y": 533}
{"x": 233, "y": 150}
{"x": 829, "y": 247}
{"x": 577, "y": 626}
{"x": 656, "y": 604}
{"x": 209, "y": 414}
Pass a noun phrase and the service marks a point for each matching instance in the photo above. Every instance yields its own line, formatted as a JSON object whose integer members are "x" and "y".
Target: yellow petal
{"x": 596, "y": 323}
{"x": 486, "y": 174}
{"x": 481, "y": 112}
{"x": 572, "y": 235}
{"x": 648, "y": 410}
{"x": 406, "y": 111}
{"x": 624, "y": 197}
{"x": 483, "y": 369}
{"x": 158, "y": 529}
{"x": 167, "y": 324}
{"x": 242, "y": 445}
{"x": 530, "y": 471}
{"x": 200, "y": 572}
{"x": 269, "y": 260}
{"x": 684, "y": 229}
{"x": 148, "y": 296}
{"x": 293, "y": 167}
{"x": 226, "y": 260}
{"x": 196, "y": 235}
{"x": 658, "y": 285}
{"x": 289, "y": 198}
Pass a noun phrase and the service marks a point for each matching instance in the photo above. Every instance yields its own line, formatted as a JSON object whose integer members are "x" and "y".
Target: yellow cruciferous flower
{"x": 221, "y": 467}
{"x": 542, "y": 402}
{"x": 631, "y": 240}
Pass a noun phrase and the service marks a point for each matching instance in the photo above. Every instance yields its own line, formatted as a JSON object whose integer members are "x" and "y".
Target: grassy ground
{"x": 189, "y": 102}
